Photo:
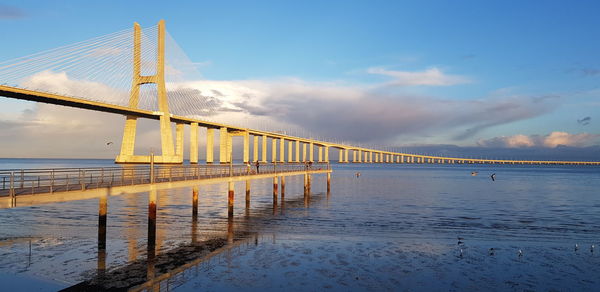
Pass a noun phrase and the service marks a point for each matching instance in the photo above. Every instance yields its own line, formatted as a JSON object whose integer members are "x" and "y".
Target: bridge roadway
{"x": 359, "y": 154}
{"x": 20, "y": 188}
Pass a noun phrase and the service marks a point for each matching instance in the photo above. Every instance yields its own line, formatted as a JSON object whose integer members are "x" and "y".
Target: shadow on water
{"x": 156, "y": 268}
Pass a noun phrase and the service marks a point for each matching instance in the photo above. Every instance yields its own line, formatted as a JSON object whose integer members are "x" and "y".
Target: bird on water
{"x": 493, "y": 176}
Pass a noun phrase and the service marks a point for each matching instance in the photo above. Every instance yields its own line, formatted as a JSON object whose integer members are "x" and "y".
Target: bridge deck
{"x": 39, "y": 186}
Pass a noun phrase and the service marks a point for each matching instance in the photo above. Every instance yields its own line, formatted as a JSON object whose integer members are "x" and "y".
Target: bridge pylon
{"x": 168, "y": 154}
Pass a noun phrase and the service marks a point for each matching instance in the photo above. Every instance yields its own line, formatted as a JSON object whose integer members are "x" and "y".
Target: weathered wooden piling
{"x": 230, "y": 199}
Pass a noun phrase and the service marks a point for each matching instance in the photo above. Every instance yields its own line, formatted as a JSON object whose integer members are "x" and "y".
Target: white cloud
{"x": 430, "y": 77}
{"x": 551, "y": 140}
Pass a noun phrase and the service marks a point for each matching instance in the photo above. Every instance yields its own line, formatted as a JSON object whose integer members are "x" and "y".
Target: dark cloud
{"x": 375, "y": 117}
{"x": 10, "y": 12}
{"x": 585, "y": 121}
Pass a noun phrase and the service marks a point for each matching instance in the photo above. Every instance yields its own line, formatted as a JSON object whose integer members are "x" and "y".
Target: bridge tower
{"x": 168, "y": 154}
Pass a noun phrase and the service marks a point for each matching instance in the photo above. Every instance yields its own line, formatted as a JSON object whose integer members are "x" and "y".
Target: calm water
{"x": 396, "y": 227}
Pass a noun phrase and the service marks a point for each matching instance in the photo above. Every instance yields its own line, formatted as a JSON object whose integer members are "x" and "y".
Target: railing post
{"x": 82, "y": 179}
{"x": 67, "y": 181}
{"x": 12, "y": 186}
{"x": 151, "y": 168}
{"x": 52, "y": 182}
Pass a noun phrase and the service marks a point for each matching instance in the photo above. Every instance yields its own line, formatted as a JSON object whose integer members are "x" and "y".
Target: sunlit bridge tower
{"x": 168, "y": 154}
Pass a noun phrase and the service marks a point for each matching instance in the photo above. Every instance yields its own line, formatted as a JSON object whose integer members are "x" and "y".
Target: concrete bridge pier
{"x": 264, "y": 149}
{"x": 281, "y": 150}
{"x": 273, "y": 150}
{"x": 210, "y": 140}
{"x": 320, "y": 154}
{"x": 193, "y": 143}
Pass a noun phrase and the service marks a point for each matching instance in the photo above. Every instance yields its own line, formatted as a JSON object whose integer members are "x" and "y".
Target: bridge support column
{"x": 247, "y": 147}
{"x": 230, "y": 199}
{"x": 346, "y": 155}
{"x": 179, "y": 128}
{"x": 168, "y": 153}
{"x": 304, "y": 152}
{"x": 281, "y": 150}
{"x": 341, "y": 154}
{"x": 326, "y": 154}
{"x": 311, "y": 149}
{"x": 273, "y": 150}
{"x": 255, "y": 149}
{"x": 320, "y": 153}
{"x": 264, "y": 149}
{"x": 290, "y": 151}
{"x": 194, "y": 143}
{"x": 297, "y": 156}
{"x": 360, "y": 154}
{"x": 210, "y": 148}
{"x": 223, "y": 147}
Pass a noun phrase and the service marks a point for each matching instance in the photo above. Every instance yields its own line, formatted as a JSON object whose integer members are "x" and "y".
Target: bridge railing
{"x": 31, "y": 181}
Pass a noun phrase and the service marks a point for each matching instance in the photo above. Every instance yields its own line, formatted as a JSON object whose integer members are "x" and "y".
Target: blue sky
{"x": 483, "y": 50}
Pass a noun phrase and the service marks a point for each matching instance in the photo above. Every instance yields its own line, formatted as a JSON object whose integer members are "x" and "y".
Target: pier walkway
{"x": 26, "y": 187}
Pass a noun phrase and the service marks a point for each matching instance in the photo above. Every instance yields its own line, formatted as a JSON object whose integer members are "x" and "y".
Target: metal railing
{"x": 15, "y": 182}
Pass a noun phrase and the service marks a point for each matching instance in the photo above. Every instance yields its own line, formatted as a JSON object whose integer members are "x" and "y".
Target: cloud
{"x": 369, "y": 115}
{"x": 551, "y": 140}
{"x": 590, "y": 71}
{"x": 10, "y": 12}
{"x": 585, "y": 121}
{"x": 356, "y": 114}
{"x": 430, "y": 77}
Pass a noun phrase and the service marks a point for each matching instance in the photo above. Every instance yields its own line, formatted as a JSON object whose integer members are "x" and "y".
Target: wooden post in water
{"x": 151, "y": 245}
{"x": 282, "y": 187}
{"x": 230, "y": 199}
{"x": 194, "y": 202}
{"x": 247, "y": 191}
{"x": 275, "y": 190}
{"x": 328, "y": 182}
{"x": 102, "y": 213}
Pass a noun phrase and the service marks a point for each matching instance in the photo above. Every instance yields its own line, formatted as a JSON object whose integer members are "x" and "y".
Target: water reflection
{"x": 159, "y": 265}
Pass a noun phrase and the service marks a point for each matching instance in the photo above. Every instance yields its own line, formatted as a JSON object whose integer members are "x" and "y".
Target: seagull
{"x": 474, "y": 173}
{"x": 520, "y": 253}
{"x": 491, "y": 251}
{"x": 576, "y": 247}
{"x": 592, "y": 248}
{"x": 108, "y": 143}
{"x": 493, "y": 176}
{"x": 461, "y": 252}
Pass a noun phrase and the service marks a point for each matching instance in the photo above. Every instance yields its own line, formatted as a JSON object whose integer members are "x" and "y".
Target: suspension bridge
{"x": 131, "y": 73}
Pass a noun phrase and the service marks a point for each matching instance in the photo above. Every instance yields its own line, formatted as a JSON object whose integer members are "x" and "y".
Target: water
{"x": 396, "y": 227}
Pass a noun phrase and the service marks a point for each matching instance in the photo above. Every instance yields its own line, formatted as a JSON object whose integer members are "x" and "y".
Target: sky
{"x": 407, "y": 74}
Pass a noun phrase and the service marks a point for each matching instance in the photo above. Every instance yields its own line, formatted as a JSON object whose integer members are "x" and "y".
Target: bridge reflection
{"x": 158, "y": 269}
